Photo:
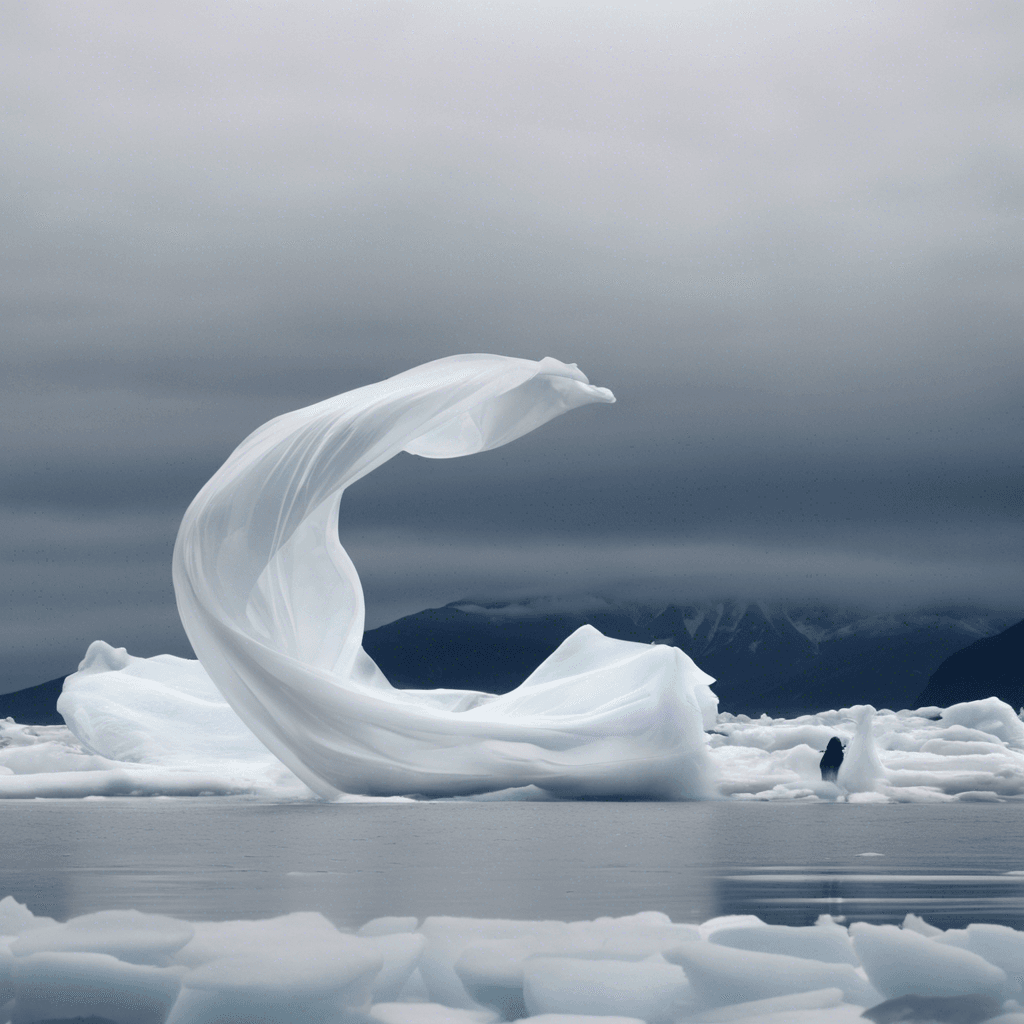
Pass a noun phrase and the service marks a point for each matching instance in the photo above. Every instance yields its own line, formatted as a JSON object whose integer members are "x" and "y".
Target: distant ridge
{"x": 991, "y": 667}
{"x": 35, "y": 706}
{"x": 768, "y": 657}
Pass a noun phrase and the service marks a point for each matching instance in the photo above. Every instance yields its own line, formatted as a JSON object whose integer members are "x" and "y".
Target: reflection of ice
{"x": 126, "y": 966}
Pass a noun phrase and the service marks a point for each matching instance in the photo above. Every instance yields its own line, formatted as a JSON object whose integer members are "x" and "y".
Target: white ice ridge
{"x": 127, "y": 967}
{"x": 158, "y": 726}
{"x": 971, "y": 751}
{"x": 274, "y": 610}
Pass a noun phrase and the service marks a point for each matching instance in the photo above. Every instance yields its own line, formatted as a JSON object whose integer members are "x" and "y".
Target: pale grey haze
{"x": 788, "y": 235}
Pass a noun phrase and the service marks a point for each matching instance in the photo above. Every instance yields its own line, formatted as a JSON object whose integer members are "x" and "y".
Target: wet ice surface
{"x": 968, "y": 752}
{"x": 129, "y": 967}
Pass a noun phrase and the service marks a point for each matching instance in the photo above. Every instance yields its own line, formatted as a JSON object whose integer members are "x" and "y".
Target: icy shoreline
{"x": 130, "y": 968}
{"x": 159, "y": 727}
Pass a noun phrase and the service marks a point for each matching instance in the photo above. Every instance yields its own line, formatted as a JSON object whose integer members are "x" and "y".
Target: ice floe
{"x": 971, "y": 751}
{"x": 130, "y": 968}
{"x": 159, "y": 726}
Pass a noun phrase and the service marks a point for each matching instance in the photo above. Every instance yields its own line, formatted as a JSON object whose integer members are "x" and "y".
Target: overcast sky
{"x": 788, "y": 235}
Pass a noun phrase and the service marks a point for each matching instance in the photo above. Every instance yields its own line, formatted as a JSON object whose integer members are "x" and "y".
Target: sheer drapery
{"x": 274, "y": 609}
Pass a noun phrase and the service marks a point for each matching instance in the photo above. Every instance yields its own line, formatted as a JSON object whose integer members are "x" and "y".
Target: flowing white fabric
{"x": 274, "y": 610}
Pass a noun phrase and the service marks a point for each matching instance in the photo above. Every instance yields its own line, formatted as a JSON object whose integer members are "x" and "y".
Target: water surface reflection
{"x": 222, "y": 857}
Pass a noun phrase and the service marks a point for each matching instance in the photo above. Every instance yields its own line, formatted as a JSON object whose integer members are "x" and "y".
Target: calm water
{"x": 220, "y": 858}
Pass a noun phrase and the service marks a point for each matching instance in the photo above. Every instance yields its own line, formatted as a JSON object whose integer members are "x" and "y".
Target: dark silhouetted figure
{"x": 831, "y": 760}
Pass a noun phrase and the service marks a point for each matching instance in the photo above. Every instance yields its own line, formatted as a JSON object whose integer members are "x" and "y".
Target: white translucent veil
{"x": 274, "y": 610}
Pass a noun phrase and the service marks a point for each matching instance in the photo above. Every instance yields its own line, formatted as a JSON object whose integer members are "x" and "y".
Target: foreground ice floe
{"x": 133, "y": 968}
{"x": 158, "y": 726}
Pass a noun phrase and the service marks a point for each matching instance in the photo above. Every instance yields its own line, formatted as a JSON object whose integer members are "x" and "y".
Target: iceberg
{"x": 160, "y": 727}
{"x": 126, "y": 967}
{"x": 274, "y": 609}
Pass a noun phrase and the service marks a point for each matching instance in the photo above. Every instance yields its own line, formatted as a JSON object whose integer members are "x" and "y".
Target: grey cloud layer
{"x": 787, "y": 234}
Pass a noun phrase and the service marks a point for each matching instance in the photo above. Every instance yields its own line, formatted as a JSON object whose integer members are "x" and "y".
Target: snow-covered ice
{"x": 971, "y": 751}
{"x": 159, "y": 726}
{"x": 128, "y": 967}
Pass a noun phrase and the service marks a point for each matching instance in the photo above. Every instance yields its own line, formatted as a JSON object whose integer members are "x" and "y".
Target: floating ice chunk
{"x": 861, "y": 770}
{"x": 900, "y": 962}
{"x": 841, "y": 1014}
{"x": 51, "y": 762}
{"x": 492, "y": 972}
{"x": 655, "y": 992}
{"x": 128, "y": 781}
{"x": 820, "y": 999}
{"x": 126, "y": 934}
{"x": 913, "y": 923}
{"x": 716, "y": 924}
{"x": 215, "y": 939}
{"x": 492, "y": 975}
{"x": 922, "y": 756}
{"x": 720, "y": 975}
{"x": 60, "y": 986}
{"x": 826, "y": 941}
{"x": 389, "y": 926}
{"x": 953, "y": 937}
{"x": 16, "y": 918}
{"x": 1001, "y": 946}
{"x": 49, "y": 756}
{"x": 300, "y": 969}
{"x": 430, "y": 1013}
{"x": 962, "y": 748}
{"x": 468, "y": 960}
{"x": 447, "y": 938}
{"x": 968, "y": 1009}
{"x": 581, "y": 1018}
{"x": 989, "y": 716}
{"x": 400, "y": 953}
{"x": 305, "y": 983}
{"x": 162, "y": 711}
{"x": 868, "y": 797}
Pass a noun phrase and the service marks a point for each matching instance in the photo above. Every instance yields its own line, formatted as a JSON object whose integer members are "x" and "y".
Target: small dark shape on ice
{"x": 832, "y": 760}
{"x": 970, "y": 1009}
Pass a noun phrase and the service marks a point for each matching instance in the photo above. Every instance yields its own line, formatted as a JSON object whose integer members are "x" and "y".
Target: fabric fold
{"x": 274, "y": 609}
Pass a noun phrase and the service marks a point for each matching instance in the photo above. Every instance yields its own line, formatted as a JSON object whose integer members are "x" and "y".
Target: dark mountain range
{"x": 782, "y": 660}
{"x": 35, "y": 706}
{"x": 991, "y": 667}
{"x": 772, "y": 658}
